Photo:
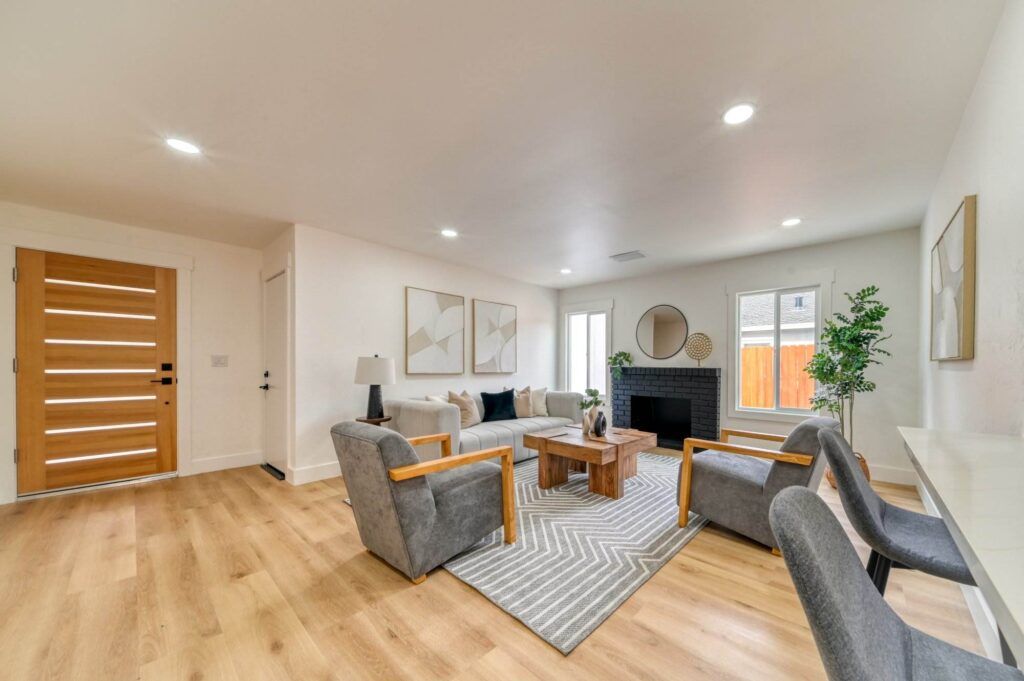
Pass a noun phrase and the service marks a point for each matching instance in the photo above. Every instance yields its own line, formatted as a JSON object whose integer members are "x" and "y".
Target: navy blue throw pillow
{"x": 499, "y": 406}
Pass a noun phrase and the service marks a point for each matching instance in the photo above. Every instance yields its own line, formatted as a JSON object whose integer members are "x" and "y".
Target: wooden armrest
{"x": 727, "y": 432}
{"x": 444, "y": 438}
{"x": 785, "y": 457}
{"x": 437, "y": 465}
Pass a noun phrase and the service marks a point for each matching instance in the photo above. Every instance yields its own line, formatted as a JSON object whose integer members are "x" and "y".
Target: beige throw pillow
{"x": 539, "y": 401}
{"x": 467, "y": 408}
{"x": 522, "y": 401}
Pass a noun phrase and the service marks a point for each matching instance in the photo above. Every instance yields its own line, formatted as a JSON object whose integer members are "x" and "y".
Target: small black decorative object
{"x": 600, "y": 426}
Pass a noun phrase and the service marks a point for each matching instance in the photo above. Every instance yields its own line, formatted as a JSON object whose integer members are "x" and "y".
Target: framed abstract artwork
{"x": 952, "y": 285}
{"x": 435, "y": 328}
{"x": 494, "y": 338}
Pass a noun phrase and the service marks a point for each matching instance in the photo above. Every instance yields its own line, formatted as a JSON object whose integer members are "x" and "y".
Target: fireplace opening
{"x": 669, "y": 417}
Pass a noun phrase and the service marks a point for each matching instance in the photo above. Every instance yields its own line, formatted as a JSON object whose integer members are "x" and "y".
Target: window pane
{"x": 757, "y": 350}
{"x": 577, "y": 352}
{"x": 797, "y": 318}
{"x": 598, "y": 360}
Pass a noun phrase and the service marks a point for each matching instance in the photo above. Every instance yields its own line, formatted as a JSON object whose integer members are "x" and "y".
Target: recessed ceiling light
{"x": 791, "y": 222}
{"x": 740, "y": 113}
{"x": 449, "y": 233}
{"x": 183, "y": 146}
{"x": 565, "y": 270}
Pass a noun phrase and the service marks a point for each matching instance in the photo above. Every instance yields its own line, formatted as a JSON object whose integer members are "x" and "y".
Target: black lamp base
{"x": 375, "y": 405}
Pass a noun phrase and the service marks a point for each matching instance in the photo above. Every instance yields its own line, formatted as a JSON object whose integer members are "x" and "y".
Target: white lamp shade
{"x": 375, "y": 371}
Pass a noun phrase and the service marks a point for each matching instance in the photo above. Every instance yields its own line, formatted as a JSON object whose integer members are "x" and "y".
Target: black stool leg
{"x": 1008, "y": 657}
{"x": 878, "y": 569}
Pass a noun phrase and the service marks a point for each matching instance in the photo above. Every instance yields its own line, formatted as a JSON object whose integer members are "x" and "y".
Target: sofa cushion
{"x": 509, "y": 432}
{"x": 499, "y": 406}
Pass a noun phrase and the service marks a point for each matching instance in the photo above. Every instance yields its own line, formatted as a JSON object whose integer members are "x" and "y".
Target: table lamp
{"x": 375, "y": 371}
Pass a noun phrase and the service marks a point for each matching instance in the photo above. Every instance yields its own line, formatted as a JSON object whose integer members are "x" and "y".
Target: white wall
{"x": 985, "y": 394}
{"x": 888, "y": 260}
{"x": 219, "y": 314}
{"x": 350, "y": 301}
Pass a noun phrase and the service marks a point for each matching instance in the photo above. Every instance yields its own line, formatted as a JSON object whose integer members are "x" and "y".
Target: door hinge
{"x": 15, "y": 456}
{"x": 14, "y": 365}
{"x": 14, "y": 274}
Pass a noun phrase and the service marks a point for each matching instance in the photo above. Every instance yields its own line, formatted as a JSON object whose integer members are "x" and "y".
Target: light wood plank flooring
{"x": 235, "y": 576}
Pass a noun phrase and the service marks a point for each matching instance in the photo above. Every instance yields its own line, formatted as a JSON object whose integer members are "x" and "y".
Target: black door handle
{"x": 167, "y": 380}
{"x": 265, "y": 386}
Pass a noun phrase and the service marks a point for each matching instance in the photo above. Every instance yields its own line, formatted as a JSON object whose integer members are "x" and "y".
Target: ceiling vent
{"x": 627, "y": 256}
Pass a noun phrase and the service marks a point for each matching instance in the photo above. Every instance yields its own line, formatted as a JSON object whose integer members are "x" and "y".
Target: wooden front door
{"x": 96, "y": 370}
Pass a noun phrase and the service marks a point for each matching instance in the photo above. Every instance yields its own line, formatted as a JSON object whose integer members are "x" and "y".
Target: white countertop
{"x": 977, "y": 483}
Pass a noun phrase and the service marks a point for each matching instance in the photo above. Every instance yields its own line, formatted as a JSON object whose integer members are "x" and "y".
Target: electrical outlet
{"x": 218, "y": 360}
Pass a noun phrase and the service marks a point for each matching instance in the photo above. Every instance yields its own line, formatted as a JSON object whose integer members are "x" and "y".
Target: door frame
{"x": 268, "y": 273}
{"x": 12, "y": 239}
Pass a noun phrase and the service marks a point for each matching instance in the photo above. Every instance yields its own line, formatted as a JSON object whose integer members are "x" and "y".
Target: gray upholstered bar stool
{"x": 858, "y": 635}
{"x": 897, "y": 537}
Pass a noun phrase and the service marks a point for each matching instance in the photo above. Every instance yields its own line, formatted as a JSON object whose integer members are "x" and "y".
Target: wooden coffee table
{"x": 609, "y": 460}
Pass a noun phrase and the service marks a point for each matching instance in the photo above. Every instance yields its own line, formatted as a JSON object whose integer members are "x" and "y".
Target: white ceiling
{"x": 550, "y": 133}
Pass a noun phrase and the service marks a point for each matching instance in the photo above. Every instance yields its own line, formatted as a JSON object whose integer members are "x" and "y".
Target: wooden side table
{"x": 375, "y": 422}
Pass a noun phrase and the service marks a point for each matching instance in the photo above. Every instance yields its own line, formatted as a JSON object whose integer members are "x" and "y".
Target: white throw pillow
{"x": 437, "y": 398}
{"x": 539, "y": 401}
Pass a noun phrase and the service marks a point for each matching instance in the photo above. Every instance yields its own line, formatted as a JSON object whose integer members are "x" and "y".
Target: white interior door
{"x": 275, "y": 348}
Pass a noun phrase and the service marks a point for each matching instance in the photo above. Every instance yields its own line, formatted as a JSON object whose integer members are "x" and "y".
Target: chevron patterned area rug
{"x": 578, "y": 555}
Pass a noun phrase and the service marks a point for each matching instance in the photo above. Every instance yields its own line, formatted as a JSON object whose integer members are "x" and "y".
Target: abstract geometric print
{"x": 435, "y": 325}
{"x": 579, "y": 556}
{"x": 494, "y": 338}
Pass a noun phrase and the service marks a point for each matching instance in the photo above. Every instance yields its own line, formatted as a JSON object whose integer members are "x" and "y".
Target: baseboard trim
{"x": 897, "y": 476}
{"x": 307, "y": 474}
{"x": 223, "y": 463}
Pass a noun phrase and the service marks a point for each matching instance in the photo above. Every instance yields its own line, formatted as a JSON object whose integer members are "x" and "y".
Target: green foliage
{"x": 593, "y": 399}
{"x": 849, "y": 345}
{"x": 618, "y": 360}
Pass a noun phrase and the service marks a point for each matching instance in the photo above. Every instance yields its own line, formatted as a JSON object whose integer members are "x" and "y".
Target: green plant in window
{"x": 617, "y": 361}
{"x": 849, "y": 345}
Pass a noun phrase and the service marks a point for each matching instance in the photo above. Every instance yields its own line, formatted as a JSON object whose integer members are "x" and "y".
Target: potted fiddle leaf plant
{"x": 850, "y": 344}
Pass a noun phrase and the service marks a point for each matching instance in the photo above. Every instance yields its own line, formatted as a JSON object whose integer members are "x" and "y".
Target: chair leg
{"x": 419, "y": 580}
{"x": 878, "y": 569}
{"x": 685, "y": 480}
{"x": 508, "y": 498}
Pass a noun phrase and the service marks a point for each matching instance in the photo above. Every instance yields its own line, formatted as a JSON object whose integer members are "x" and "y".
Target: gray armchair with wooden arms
{"x": 414, "y": 514}
{"x": 734, "y": 485}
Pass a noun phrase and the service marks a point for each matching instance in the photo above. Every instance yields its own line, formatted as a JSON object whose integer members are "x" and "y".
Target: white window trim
{"x": 593, "y": 306}
{"x": 824, "y": 282}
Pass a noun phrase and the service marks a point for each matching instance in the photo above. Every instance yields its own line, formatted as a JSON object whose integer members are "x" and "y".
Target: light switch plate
{"x": 218, "y": 360}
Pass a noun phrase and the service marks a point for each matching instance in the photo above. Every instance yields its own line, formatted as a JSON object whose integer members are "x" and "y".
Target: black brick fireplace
{"x": 675, "y": 402}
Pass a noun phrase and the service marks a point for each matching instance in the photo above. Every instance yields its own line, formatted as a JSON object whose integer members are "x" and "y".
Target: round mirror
{"x": 662, "y": 332}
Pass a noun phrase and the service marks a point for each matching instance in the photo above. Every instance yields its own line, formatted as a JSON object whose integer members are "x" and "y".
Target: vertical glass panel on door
{"x": 598, "y": 353}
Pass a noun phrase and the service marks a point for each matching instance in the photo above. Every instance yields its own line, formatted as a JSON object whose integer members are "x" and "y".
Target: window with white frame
{"x": 586, "y": 348}
{"x": 777, "y": 333}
